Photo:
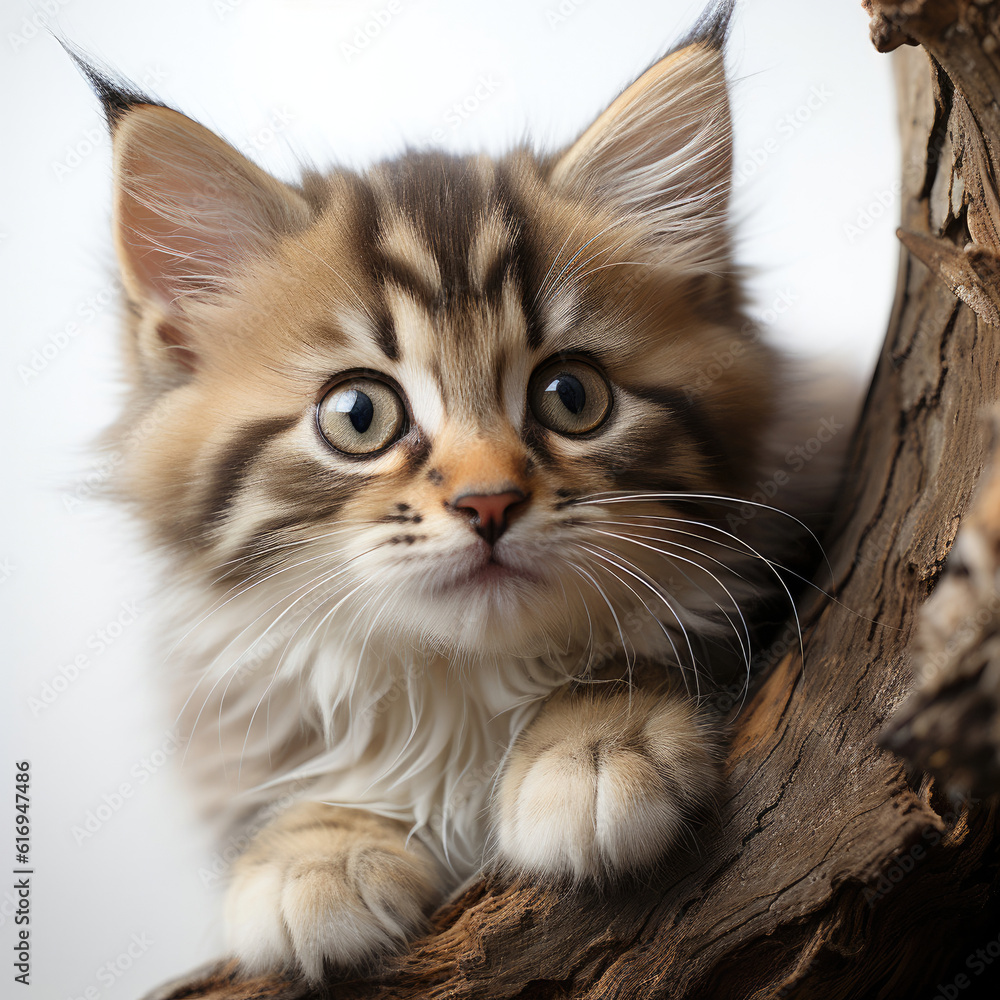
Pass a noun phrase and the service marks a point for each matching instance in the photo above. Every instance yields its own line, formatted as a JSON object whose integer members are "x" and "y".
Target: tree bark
{"x": 834, "y": 869}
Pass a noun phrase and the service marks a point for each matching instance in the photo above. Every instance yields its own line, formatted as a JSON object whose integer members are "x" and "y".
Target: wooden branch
{"x": 951, "y": 724}
{"x": 794, "y": 892}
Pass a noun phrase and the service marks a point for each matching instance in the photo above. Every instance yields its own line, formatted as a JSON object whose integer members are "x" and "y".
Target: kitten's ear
{"x": 189, "y": 211}
{"x": 188, "y": 208}
{"x": 663, "y": 150}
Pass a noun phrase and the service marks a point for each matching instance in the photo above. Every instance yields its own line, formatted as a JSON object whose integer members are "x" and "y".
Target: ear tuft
{"x": 712, "y": 27}
{"x": 116, "y": 94}
{"x": 190, "y": 213}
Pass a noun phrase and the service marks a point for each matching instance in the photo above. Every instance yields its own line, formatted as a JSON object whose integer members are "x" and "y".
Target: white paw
{"x": 326, "y": 896}
{"x": 596, "y": 786}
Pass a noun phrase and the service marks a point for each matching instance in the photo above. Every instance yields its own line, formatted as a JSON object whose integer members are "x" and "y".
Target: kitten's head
{"x": 383, "y": 397}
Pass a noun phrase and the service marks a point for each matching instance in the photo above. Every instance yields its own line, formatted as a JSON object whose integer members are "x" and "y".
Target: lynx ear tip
{"x": 712, "y": 27}
{"x": 116, "y": 94}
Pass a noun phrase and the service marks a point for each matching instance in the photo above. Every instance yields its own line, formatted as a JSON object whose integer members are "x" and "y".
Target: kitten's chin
{"x": 492, "y": 611}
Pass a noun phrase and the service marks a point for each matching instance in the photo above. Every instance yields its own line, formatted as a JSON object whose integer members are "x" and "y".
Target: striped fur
{"x": 335, "y": 637}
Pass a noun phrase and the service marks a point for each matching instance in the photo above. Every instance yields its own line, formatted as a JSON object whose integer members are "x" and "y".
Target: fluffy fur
{"x": 340, "y": 630}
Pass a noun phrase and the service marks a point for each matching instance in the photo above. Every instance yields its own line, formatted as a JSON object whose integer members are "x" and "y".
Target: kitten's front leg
{"x": 323, "y": 885}
{"x": 599, "y": 785}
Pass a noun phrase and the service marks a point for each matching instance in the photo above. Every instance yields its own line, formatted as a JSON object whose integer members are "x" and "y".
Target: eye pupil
{"x": 569, "y": 396}
{"x": 571, "y": 392}
{"x": 359, "y": 408}
{"x": 361, "y": 415}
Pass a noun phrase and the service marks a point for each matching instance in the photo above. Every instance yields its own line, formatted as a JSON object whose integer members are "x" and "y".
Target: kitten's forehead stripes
{"x": 445, "y": 231}
{"x": 521, "y": 259}
{"x": 368, "y": 227}
{"x": 407, "y": 254}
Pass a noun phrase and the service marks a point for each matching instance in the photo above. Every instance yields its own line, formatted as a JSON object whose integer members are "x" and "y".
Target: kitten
{"x": 442, "y": 484}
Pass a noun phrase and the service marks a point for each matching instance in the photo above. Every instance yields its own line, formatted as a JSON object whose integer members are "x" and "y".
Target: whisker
{"x": 342, "y": 528}
{"x": 746, "y": 549}
{"x": 607, "y": 557}
{"x": 617, "y": 496}
{"x": 246, "y": 589}
{"x": 694, "y": 551}
{"x": 745, "y": 648}
{"x": 275, "y": 672}
{"x": 311, "y": 586}
{"x": 614, "y": 615}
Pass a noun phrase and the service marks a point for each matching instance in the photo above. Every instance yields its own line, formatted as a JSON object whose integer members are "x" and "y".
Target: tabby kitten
{"x": 441, "y": 485}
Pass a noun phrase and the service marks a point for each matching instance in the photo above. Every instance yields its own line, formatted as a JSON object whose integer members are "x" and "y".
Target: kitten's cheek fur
{"x": 327, "y": 887}
{"x": 597, "y": 787}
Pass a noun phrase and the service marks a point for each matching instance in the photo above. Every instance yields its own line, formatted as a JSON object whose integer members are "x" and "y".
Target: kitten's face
{"x": 383, "y": 398}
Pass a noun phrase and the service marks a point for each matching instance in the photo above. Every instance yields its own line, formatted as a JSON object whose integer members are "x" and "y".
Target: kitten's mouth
{"x": 490, "y": 572}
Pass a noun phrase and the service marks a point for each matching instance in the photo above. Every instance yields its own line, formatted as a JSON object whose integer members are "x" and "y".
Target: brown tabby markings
{"x": 450, "y": 250}
{"x": 453, "y": 280}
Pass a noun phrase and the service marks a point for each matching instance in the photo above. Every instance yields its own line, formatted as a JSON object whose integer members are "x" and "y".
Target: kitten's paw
{"x": 596, "y": 786}
{"x": 325, "y": 886}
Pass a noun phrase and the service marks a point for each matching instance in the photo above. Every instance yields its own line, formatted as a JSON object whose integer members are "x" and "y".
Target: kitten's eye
{"x": 570, "y": 396}
{"x": 361, "y": 416}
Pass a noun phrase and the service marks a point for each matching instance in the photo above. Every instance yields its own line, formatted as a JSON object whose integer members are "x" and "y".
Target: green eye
{"x": 571, "y": 397}
{"x": 361, "y": 416}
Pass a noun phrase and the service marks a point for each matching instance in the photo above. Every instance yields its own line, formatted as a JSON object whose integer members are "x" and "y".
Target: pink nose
{"x": 490, "y": 519}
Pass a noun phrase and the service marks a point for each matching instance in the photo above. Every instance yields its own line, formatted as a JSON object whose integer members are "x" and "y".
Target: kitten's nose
{"x": 490, "y": 510}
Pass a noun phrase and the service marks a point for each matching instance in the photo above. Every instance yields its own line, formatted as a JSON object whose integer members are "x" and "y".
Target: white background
{"x": 242, "y": 67}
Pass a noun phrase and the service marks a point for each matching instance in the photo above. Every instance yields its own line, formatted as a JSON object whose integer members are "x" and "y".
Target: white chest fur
{"x": 273, "y": 708}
